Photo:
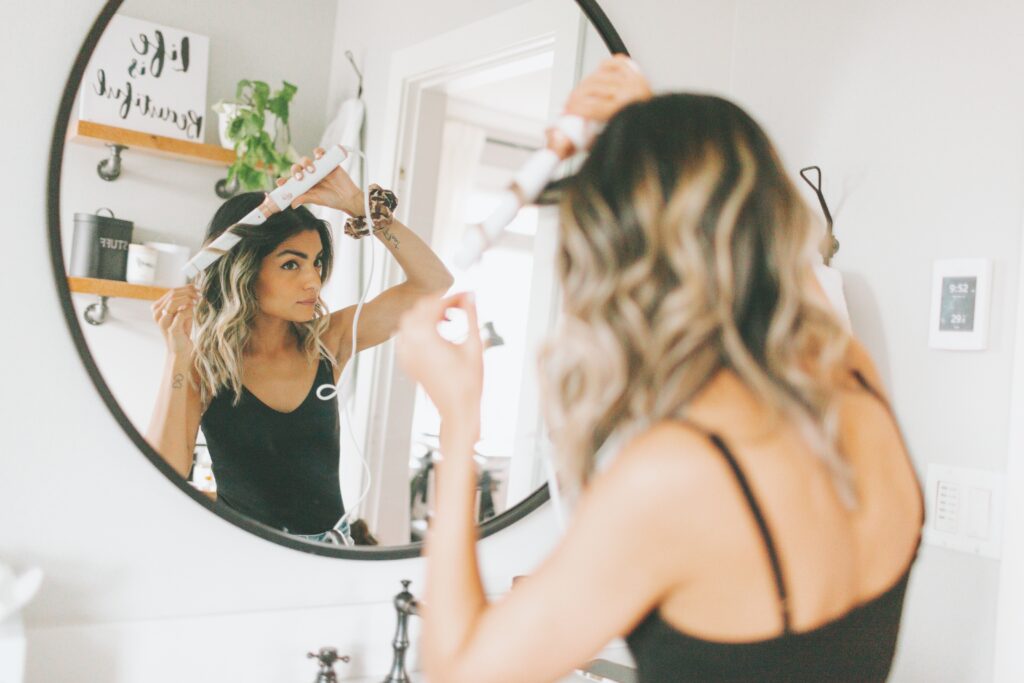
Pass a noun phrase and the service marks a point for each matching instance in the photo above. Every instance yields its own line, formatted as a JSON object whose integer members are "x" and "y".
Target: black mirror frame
{"x": 615, "y": 45}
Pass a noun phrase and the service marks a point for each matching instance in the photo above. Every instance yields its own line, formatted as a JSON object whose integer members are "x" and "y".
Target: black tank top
{"x": 856, "y": 647}
{"x": 277, "y": 468}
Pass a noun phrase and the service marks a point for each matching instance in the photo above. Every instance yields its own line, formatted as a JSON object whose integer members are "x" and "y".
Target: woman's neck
{"x": 270, "y": 336}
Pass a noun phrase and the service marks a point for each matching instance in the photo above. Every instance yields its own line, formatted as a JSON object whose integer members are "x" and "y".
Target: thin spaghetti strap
{"x": 863, "y": 382}
{"x": 773, "y": 556}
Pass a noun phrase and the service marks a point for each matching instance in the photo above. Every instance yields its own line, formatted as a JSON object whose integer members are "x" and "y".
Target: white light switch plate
{"x": 965, "y": 510}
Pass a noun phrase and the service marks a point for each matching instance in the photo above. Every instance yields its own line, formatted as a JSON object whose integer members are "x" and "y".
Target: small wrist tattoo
{"x": 390, "y": 237}
{"x": 179, "y": 381}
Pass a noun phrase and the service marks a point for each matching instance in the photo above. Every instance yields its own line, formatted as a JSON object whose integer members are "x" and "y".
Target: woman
{"x": 761, "y": 518}
{"x": 264, "y": 343}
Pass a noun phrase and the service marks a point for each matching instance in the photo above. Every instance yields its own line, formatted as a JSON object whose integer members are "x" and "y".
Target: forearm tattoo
{"x": 179, "y": 381}
{"x": 390, "y": 238}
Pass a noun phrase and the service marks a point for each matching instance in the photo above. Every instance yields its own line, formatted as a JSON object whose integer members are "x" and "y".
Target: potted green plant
{"x": 256, "y": 125}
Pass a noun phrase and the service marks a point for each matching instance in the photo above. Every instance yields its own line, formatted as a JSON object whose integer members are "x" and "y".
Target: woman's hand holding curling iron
{"x": 173, "y": 313}
{"x": 613, "y": 85}
{"x": 451, "y": 374}
{"x": 336, "y": 191}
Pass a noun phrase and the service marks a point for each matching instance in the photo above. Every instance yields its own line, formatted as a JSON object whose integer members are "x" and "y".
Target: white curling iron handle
{"x": 283, "y": 196}
{"x": 567, "y": 135}
{"x": 526, "y": 186}
{"x": 278, "y": 199}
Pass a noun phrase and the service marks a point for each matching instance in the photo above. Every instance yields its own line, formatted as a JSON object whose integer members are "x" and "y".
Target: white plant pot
{"x": 226, "y": 111}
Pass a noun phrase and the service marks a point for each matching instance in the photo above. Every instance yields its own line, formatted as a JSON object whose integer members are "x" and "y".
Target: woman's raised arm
{"x": 424, "y": 272}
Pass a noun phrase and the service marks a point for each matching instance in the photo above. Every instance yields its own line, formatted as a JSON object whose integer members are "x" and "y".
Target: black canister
{"x": 99, "y": 246}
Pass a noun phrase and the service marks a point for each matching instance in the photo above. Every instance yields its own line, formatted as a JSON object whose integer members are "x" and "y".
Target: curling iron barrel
{"x": 277, "y": 200}
{"x": 569, "y": 134}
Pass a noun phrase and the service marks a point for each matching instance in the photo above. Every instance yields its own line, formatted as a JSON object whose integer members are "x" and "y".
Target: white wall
{"x": 909, "y": 107}
{"x": 906, "y": 108}
{"x": 255, "y": 40}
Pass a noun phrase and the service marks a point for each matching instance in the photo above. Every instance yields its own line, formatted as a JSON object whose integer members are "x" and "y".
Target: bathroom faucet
{"x": 326, "y": 657}
{"x": 405, "y": 605}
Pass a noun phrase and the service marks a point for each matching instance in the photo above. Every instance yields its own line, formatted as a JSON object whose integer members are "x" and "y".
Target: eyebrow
{"x": 300, "y": 254}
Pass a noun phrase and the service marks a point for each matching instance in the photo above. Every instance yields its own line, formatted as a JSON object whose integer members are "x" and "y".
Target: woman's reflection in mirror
{"x": 760, "y": 515}
{"x": 250, "y": 342}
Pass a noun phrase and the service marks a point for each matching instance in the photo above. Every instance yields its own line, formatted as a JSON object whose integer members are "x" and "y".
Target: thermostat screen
{"x": 957, "y": 309}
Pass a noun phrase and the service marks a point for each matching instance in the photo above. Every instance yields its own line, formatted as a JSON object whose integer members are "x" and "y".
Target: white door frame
{"x": 510, "y": 36}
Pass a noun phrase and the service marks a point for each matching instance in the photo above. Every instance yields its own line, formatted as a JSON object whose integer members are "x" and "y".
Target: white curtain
{"x": 462, "y": 147}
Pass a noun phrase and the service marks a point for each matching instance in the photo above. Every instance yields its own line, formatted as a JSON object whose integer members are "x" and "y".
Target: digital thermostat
{"x": 961, "y": 293}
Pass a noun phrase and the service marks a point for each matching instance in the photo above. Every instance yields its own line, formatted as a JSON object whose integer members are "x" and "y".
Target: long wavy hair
{"x": 228, "y": 304}
{"x": 685, "y": 250}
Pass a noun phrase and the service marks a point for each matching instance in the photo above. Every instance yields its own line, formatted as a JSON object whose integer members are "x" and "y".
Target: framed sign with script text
{"x": 149, "y": 78}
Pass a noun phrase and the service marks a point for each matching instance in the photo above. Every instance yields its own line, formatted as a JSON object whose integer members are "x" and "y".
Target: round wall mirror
{"x": 176, "y": 113}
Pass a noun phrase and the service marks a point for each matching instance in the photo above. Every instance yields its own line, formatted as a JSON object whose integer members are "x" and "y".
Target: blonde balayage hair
{"x": 228, "y": 304}
{"x": 684, "y": 251}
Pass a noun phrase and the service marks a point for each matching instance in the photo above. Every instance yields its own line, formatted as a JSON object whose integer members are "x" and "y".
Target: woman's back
{"x": 727, "y": 546}
{"x": 837, "y": 575}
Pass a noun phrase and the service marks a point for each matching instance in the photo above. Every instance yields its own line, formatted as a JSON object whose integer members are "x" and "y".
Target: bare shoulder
{"x": 665, "y": 444}
{"x": 662, "y": 484}
{"x": 672, "y": 463}
{"x": 859, "y": 358}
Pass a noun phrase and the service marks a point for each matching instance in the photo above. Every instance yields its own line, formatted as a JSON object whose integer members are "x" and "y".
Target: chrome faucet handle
{"x": 405, "y": 605}
{"x": 405, "y": 602}
{"x": 327, "y": 657}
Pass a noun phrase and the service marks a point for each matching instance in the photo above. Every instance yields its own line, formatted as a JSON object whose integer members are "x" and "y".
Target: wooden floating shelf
{"x": 88, "y": 132}
{"x": 115, "y": 288}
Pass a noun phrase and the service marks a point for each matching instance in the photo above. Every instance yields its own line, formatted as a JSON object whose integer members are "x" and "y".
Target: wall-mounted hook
{"x": 833, "y": 243}
{"x": 359, "y": 74}
{"x": 96, "y": 314}
{"x": 110, "y": 168}
{"x": 224, "y": 190}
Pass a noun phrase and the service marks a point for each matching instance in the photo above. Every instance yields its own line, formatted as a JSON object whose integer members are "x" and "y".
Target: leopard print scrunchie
{"x": 382, "y": 207}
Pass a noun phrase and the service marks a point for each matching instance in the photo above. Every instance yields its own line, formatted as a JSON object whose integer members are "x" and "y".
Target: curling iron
{"x": 277, "y": 200}
{"x": 568, "y": 135}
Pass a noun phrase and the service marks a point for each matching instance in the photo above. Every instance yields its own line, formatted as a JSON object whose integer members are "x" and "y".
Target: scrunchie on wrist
{"x": 382, "y": 207}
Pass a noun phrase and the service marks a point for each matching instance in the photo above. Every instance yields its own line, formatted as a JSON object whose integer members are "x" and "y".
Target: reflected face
{"x": 290, "y": 278}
